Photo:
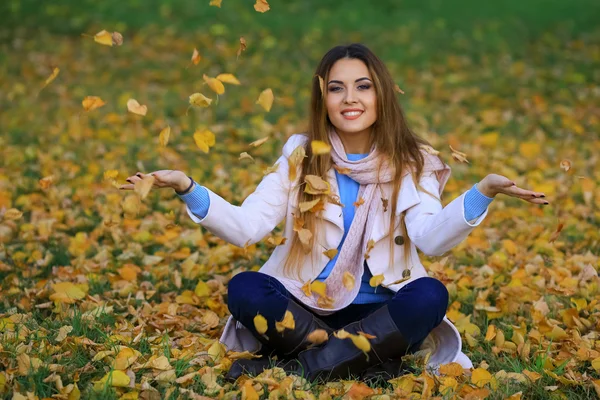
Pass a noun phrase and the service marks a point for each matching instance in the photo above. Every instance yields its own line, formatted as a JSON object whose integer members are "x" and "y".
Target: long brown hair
{"x": 390, "y": 133}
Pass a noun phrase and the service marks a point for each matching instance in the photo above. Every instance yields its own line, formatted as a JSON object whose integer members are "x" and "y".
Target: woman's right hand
{"x": 168, "y": 178}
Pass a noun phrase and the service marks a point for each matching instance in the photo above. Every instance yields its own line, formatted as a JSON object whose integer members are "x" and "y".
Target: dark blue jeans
{"x": 416, "y": 309}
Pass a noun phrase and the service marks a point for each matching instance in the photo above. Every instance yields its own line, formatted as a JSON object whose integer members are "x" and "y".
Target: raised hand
{"x": 165, "y": 178}
{"x": 493, "y": 184}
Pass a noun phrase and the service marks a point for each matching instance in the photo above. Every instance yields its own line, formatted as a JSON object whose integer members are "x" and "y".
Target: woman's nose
{"x": 350, "y": 96}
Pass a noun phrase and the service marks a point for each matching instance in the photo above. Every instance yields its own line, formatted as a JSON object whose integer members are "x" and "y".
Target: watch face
{"x": 406, "y": 273}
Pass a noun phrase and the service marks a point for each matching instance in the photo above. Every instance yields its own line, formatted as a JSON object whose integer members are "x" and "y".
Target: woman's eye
{"x": 365, "y": 87}
{"x": 334, "y": 88}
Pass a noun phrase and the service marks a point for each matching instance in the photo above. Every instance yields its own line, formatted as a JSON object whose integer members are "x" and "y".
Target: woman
{"x": 381, "y": 202}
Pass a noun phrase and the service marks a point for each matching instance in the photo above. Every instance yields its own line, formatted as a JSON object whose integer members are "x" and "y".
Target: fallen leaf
{"x": 63, "y": 332}
{"x": 330, "y": 253}
{"x": 12, "y": 214}
{"x": 260, "y": 324}
{"x": 136, "y": 108}
{"x": 317, "y": 336}
{"x": 115, "y": 378}
{"x": 215, "y": 3}
{"x": 480, "y": 377}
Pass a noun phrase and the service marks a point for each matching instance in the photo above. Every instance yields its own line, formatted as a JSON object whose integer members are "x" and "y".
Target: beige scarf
{"x": 369, "y": 174}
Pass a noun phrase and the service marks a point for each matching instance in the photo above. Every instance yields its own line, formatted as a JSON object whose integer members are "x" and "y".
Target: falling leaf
{"x": 566, "y": 165}
{"x": 243, "y": 46}
{"x": 271, "y": 169}
{"x": 556, "y": 233}
{"x": 134, "y": 107}
{"x": 117, "y": 38}
{"x": 200, "y": 100}
{"x": 92, "y": 102}
{"x": 361, "y": 342}
{"x": 306, "y": 288}
{"x": 295, "y": 161}
{"x": 459, "y": 156}
{"x": 143, "y": 186}
{"x": 319, "y": 147}
{"x": 104, "y": 37}
{"x": 305, "y": 206}
{"x": 341, "y": 334}
{"x": 204, "y": 139}
{"x": 359, "y": 202}
{"x": 385, "y": 203}
{"x": 286, "y": 323}
{"x": 131, "y": 204}
{"x": 52, "y": 76}
{"x": 319, "y": 287}
{"x": 429, "y": 149}
{"x": 265, "y": 99}
{"x": 260, "y": 323}
{"x": 305, "y": 237}
{"x": 261, "y": 6}
{"x": 258, "y": 142}
{"x": 370, "y": 245}
{"x": 164, "y": 135}
{"x": 317, "y": 336}
{"x": 215, "y": 84}
{"x": 276, "y": 241}
{"x": 397, "y": 89}
{"x": 330, "y": 253}
{"x": 342, "y": 170}
{"x": 46, "y": 182}
{"x": 12, "y": 214}
{"x": 376, "y": 280}
{"x": 321, "y": 85}
{"x": 316, "y": 185}
{"x": 480, "y": 377}
{"x": 228, "y": 78}
{"x": 195, "y": 55}
{"x": 245, "y": 156}
{"x": 348, "y": 280}
{"x": 215, "y": 3}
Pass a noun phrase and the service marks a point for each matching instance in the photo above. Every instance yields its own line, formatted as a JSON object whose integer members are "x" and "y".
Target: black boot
{"x": 341, "y": 359}
{"x": 287, "y": 344}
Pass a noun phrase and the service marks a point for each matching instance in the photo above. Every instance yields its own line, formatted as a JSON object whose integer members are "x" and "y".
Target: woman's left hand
{"x": 493, "y": 184}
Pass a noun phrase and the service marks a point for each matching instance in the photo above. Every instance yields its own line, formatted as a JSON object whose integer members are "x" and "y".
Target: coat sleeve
{"x": 260, "y": 212}
{"x": 435, "y": 229}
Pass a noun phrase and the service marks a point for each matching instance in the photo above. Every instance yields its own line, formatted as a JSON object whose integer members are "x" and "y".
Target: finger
{"x": 133, "y": 179}
{"x": 517, "y": 191}
{"x": 126, "y": 187}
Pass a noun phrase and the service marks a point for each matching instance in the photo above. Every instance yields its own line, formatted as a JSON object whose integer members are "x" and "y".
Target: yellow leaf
{"x": 202, "y": 289}
{"x": 114, "y": 378}
{"x": 596, "y": 364}
{"x": 200, "y": 100}
{"x": 163, "y": 136}
{"x": 75, "y": 393}
{"x": 276, "y": 241}
{"x": 161, "y": 363}
{"x": 215, "y": 84}
{"x": 330, "y": 253}
{"x": 260, "y": 323}
{"x": 319, "y": 147}
{"x": 341, "y": 334}
{"x": 308, "y": 205}
{"x": 491, "y": 333}
{"x": 529, "y": 149}
{"x": 131, "y": 204}
{"x": 12, "y": 214}
{"x": 52, "y": 76}
{"x": 489, "y": 140}
{"x": 245, "y": 156}
{"x": 228, "y": 78}
{"x": 92, "y": 102}
{"x": 104, "y": 37}
{"x": 480, "y": 377}
{"x": 295, "y": 160}
{"x": 195, "y": 55}
{"x": 216, "y": 351}
{"x": 319, "y": 288}
{"x": 359, "y": 202}
{"x": 204, "y": 139}
{"x": 46, "y": 181}
{"x": 271, "y": 169}
{"x": 125, "y": 358}
{"x": 316, "y": 185}
{"x": 215, "y": 3}
{"x": 68, "y": 292}
{"x": 458, "y": 155}
{"x": 429, "y": 149}
{"x": 248, "y": 391}
{"x": 566, "y": 165}
{"x": 265, "y": 99}
{"x": 348, "y": 280}
{"x": 305, "y": 237}
{"x": 557, "y": 333}
{"x": 258, "y": 142}
{"x": 63, "y": 332}
{"x": 286, "y": 323}
{"x": 376, "y": 280}
{"x": 261, "y": 6}
{"x": 448, "y": 385}
{"x": 136, "y": 108}
{"x": 317, "y": 336}
{"x": 321, "y": 85}
{"x": 451, "y": 369}
{"x": 533, "y": 376}
{"x": 307, "y": 289}
{"x": 143, "y": 186}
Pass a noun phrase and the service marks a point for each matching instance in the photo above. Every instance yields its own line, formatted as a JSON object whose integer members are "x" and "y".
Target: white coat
{"x": 433, "y": 229}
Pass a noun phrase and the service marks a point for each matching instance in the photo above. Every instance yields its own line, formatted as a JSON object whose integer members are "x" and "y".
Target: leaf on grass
{"x": 261, "y": 6}
{"x": 480, "y": 377}
{"x": 90, "y": 103}
{"x": 68, "y": 292}
{"x": 199, "y": 100}
{"x": 12, "y": 214}
{"x": 136, "y": 108}
{"x": 63, "y": 332}
{"x": 260, "y": 323}
{"x": 265, "y": 99}
{"x": 348, "y": 279}
{"x": 451, "y": 369}
{"x": 46, "y": 182}
{"x": 204, "y": 139}
{"x": 115, "y": 378}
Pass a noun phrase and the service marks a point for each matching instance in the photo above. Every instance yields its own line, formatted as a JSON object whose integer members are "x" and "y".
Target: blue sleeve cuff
{"x": 475, "y": 203}
{"x": 197, "y": 200}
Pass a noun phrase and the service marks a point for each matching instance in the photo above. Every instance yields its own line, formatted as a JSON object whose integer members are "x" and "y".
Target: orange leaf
{"x": 261, "y": 6}
{"x": 92, "y": 102}
{"x": 318, "y": 336}
{"x": 195, "y": 55}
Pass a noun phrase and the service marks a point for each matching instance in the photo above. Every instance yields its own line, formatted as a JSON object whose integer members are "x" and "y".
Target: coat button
{"x": 399, "y": 240}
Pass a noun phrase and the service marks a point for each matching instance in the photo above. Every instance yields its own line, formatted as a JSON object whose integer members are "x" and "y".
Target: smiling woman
{"x": 355, "y": 218}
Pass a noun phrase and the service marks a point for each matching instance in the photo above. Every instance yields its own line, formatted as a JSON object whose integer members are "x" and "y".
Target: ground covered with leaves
{"x": 113, "y": 294}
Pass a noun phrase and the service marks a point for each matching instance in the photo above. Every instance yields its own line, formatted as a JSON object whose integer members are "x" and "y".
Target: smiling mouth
{"x": 352, "y": 114}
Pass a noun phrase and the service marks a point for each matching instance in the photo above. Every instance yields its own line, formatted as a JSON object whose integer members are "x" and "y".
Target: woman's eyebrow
{"x": 358, "y": 80}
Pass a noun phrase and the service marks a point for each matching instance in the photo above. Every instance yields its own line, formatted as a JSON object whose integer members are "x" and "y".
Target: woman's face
{"x": 351, "y": 99}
